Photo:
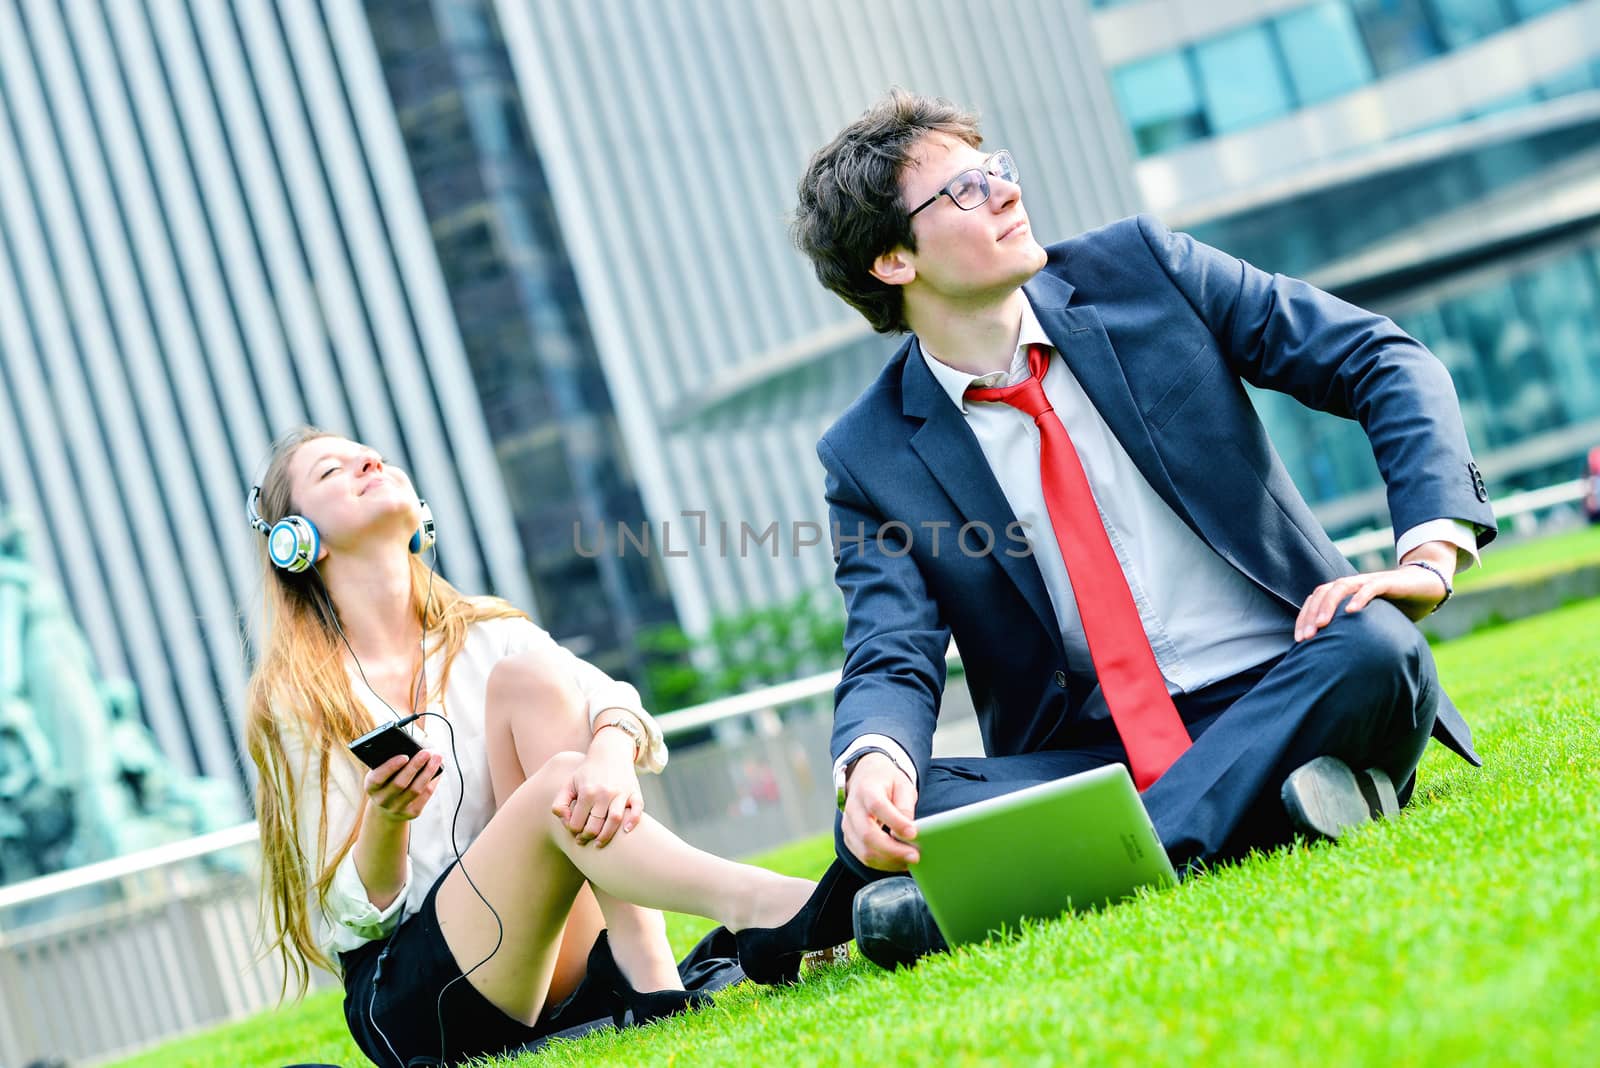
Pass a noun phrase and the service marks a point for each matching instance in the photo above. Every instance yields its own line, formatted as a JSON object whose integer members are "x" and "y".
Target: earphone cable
{"x": 461, "y": 793}
{"x": 500, "y": 927}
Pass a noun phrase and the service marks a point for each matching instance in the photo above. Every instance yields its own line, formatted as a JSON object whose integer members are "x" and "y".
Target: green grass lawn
{"x": 1535, "y": 558}
{"x": 1461, "y": 932}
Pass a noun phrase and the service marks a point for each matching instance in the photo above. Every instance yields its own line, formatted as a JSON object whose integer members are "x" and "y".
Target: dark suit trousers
{"x": 1364, "y": 689}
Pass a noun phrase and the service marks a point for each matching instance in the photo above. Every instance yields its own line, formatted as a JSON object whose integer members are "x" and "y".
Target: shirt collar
{"x": 956, "y": 383}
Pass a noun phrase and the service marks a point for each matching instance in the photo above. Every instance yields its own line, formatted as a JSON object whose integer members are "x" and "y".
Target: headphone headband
{"x": 253, "y": 510}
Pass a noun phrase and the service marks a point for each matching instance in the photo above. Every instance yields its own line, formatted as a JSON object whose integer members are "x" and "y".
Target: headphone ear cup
{"x": 422, "y": 538}
{"x": 293, "y": 543}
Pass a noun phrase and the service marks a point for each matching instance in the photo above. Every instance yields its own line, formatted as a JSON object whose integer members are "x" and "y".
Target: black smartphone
{"x": 384, "y": 743}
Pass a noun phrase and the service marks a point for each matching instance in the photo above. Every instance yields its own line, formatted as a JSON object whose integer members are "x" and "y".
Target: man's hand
{"x": 603, "y": 795}
{"x": 879, "y": 795}
{"x": 400, "y": 787}
{"x": 1416, "y": 591}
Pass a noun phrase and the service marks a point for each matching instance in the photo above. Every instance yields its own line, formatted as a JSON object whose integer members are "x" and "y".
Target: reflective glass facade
{"x": 1460, "y": 22}
{"x": 209, "y": 234}
{"x": 1242, "y": 79}
{"x": 1323, "y": 51}
{"x": 1477, "y": 240}
{"x": 1523, "y": 347}
{"x": 1398, "y": 33}
{"x": 1298, "y": 58}
{"x": 702, "y": 310}
{"x": 1160, "y": 98}
{"x": 1518, "y": 327}
{"x": 1297, "y": 236}
{"x": 545, "y": 400}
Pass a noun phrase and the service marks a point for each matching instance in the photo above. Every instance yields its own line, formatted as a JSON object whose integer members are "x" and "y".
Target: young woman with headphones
{"x": 465, "y": 909}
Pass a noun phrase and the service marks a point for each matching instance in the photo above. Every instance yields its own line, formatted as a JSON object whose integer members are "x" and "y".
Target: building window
{"x": 1562, "y": 297}
{"x": 1160, "y": 102}
{"x": 1472, "y": 392}
{"x": 1399, "y": 33}
{"x": 1323, "y": 51}
{"x": 1461, "y": 22}
{"x": 1242, "y": 78}
{"x": 1572, "y": 80}
{"x": 1306, "y": 56}
{"x": 1527, "y": 9}
{"x": 1511, "y": 358}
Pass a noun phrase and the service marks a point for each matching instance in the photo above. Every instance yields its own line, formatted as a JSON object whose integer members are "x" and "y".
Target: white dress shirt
{"x": 348, "y": 918}
{"x": 1205, "y": 620}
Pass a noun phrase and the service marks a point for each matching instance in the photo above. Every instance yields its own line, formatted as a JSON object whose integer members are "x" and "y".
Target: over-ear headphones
{"x": 422, "y": 538}
{"x": 294, "y": 544}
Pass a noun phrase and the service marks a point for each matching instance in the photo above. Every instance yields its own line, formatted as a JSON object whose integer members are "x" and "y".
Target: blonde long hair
{"x": 300, "y": 684}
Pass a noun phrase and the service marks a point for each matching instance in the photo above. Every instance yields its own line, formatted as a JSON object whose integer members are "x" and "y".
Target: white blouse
{"x": 349, "y": 919}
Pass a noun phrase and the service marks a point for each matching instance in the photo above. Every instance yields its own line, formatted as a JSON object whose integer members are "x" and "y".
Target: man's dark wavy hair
{"x": 850, "y": 210}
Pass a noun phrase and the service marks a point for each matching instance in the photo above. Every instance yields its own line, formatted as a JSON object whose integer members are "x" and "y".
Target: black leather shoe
{"x": 893, "y": 925}
{"x": 645, "y": 1006}
{"x": 772, "y": 955}
{"x": 1325, "y": 798}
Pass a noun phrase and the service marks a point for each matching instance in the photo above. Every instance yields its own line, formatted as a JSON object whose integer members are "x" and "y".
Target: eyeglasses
{"x": 971, "y": 187}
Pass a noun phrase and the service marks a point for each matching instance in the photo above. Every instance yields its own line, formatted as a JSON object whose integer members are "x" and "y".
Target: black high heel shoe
{"x": 772, "y": 955}
{"x": 646, "y": 1005}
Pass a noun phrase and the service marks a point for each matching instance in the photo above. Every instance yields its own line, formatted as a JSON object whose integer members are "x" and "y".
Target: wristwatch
{"x": 628, "y": 724}
{"x": 841, "y": 773}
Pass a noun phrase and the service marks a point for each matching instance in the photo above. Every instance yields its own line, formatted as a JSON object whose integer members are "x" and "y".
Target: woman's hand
{"x": 399, "y": 788}
{"x": 603, "y": 795}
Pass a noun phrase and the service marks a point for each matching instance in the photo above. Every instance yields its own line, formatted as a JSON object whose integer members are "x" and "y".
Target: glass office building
{"x": 546, "y": 404}
{"x": 1434, "y": 160}
{"x": 220, "y": 220}
{"x": 1428, "y": 158}
{"x": 537, "y": 250}
{"x": 534, "y": 250}
{"x": 672, "y": 136}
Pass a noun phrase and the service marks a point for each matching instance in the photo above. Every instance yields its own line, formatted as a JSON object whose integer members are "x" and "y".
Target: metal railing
{"x": 104, "y": 959}
{"x": 1368, "y": 548}
{"x": 120, "y": 954}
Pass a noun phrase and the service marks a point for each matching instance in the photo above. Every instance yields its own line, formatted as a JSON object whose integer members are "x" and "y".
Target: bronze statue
{"x": 81, "y": 779}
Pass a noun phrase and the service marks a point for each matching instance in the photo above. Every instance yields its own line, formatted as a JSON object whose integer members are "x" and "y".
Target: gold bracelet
{"x": 630, "y": 729}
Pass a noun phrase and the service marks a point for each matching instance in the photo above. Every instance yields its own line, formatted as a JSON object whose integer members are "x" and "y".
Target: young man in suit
{"x": 1061, "y": 469}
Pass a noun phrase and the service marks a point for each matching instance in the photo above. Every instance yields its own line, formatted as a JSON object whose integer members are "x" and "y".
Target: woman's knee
{"x": 559, "y": 768}
{"x": 534, "y": 684}
{"x": 534, "y": 799}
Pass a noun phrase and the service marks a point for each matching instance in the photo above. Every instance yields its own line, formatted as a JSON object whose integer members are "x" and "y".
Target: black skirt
{"x": 396, "y": 1015}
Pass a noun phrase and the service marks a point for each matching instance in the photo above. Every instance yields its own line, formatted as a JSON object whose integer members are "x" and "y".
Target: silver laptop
{"x": 1072, "y": 844}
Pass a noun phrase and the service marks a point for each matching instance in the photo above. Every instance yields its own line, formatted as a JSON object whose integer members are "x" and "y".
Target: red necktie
{"x": 1147, "y": 721}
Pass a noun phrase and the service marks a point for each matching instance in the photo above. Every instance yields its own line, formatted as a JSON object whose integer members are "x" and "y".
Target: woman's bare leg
{"x": 533, "y": 711}
{"x": 531, "y": 867}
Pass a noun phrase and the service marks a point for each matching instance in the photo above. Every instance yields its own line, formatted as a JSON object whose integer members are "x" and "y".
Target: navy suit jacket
{"x": 1162, "y": 331}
